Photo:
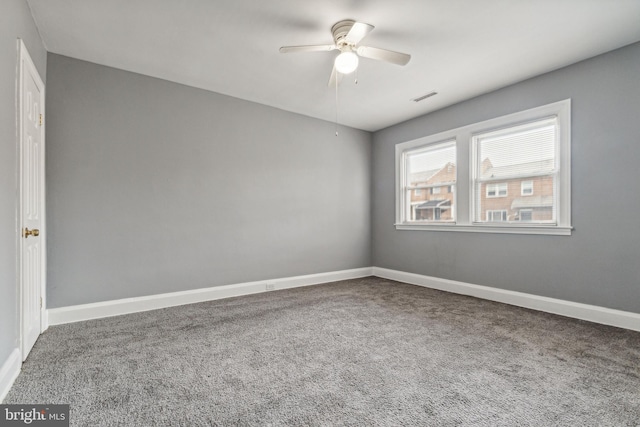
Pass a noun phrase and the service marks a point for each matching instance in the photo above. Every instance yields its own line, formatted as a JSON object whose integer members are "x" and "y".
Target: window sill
{"x": 532, "y": 229}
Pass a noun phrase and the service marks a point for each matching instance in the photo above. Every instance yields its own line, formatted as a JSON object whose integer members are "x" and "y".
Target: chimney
{"x": 486, "y": 165}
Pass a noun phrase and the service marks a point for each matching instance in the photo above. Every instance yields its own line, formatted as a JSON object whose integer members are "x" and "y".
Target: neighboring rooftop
{"x": 532, "y": 202}
{"x": 422, "y": 177}
{"x": 517, "y": 170}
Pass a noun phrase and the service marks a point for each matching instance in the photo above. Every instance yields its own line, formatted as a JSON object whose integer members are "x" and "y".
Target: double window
{"x": 510, "y": 175}
{"x": 497, "y": 190}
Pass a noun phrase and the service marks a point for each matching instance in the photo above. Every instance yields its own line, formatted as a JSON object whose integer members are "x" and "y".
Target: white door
{"x": 32, "y": 247}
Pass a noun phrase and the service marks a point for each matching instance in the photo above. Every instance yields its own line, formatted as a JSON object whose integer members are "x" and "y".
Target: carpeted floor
{"x": 359, "y": 352}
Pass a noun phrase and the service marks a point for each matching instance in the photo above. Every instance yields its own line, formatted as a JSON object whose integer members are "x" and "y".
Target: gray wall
{"x": 157, "y": 187}
{"x": 599, "y": 263}
{"x": 15, "y": 22}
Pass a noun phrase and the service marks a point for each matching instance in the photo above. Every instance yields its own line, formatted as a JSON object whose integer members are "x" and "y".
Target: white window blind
{"x": 429, "y": 168}
{"x": 509, "y": 163}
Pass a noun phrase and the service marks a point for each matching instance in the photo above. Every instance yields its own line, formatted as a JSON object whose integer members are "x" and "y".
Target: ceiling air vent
{"x": 429, "y": 95}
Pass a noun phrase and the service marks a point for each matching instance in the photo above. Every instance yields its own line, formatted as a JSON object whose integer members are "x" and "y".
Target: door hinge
{"x": 40, "y": 302}
{"x": 40, "y": 119}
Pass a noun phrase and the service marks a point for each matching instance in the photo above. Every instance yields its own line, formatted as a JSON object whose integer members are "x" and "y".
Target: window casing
{"x": 536, "y": 201}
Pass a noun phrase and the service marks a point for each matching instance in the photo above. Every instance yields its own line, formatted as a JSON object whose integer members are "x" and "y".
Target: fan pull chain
{"x": 336, "y": 104}
{"x": 356, "y": 74}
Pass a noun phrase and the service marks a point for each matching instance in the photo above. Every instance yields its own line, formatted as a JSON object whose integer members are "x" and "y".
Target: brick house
{"x": 520, "y": 196}
{"x": 435, "y": 202}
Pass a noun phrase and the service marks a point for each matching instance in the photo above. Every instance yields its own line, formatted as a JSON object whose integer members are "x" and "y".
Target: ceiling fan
{"x": 346, "y": 36}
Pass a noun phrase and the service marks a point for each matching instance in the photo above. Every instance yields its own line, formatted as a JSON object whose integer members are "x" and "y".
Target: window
{"x": 497, "y": 190}
{"x": 501, "y": 162}
{"x": 496, "y": 216}
{"x": 418, "y": 192}
{"x": 509, "y": 155}
{"x": 526, "y": 214}
{"x": 428, "y": 167}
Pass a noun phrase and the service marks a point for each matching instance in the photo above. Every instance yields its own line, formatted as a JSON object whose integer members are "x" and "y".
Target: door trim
{"x": 25, "y": 62}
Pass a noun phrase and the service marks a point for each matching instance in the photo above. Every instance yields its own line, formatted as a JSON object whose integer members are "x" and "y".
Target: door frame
{"x": 25, "y": 63}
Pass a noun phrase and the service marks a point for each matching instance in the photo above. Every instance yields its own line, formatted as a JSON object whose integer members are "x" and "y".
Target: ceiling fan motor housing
{"x": 340, "y": 31}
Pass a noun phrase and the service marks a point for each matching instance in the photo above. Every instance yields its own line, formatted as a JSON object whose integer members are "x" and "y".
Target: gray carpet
{"x": 358, "y": 352}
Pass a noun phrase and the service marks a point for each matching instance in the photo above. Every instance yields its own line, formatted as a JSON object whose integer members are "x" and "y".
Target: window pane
{"x": 430, "y": 167}
{"x": 516, "y": 171}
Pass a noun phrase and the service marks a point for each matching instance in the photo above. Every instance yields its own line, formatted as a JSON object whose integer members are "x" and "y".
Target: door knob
{"x": 35, "y": 232}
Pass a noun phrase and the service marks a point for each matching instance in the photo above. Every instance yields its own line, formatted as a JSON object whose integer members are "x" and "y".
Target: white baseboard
{"x": 9, "y": 372}
{"x": 44, "y": 322}
{"x": 592, "y": 313}
{"x": 58, "y": 316}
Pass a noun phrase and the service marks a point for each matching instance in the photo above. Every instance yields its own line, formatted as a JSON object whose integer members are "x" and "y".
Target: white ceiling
{"x": 459, "y": 48}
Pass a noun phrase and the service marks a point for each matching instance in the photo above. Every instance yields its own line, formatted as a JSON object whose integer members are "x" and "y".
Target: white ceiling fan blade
{"x": 335, "y": 78}
{"x": 311, "y": 48}
{"x": 358, "y": 32}
{"x": 384, "y": 55}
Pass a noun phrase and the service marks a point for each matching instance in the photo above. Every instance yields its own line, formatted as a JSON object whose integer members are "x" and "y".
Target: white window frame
{"x": 465, "y": 170}
{"x": 497, "y": 186}
{"x": 528, "y": 186}
{"x": 435, "y": 190}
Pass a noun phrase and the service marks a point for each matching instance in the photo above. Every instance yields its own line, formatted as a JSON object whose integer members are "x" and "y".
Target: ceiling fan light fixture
{"x": 346, "y": 62}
